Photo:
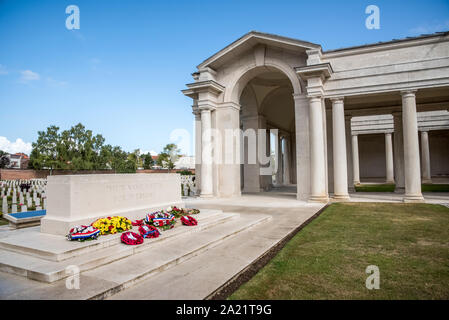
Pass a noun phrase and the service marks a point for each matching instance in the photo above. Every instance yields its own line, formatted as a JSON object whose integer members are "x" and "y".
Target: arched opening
{"x": 267, "y": 121}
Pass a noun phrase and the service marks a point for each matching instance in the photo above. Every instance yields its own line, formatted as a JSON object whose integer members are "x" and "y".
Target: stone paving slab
{"x": 116, "y": 276}
{"x": 49, "y": 271}
{"x": 201, "y": 275}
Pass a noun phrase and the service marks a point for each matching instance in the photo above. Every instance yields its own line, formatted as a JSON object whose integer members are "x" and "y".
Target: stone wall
{"x": 15, "y": 174}
{"x": 372, "y": 161}
{"x": 439, "y": 152}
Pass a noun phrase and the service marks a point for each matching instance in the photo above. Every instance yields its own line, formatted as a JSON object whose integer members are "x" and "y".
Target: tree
{"x": 78, "y": 149}
{"x": 135, "y": 156}
{"x": 148, "y": 161}
{"x": 46, "y": 153}
{"x": 4, "y": 159}
{"x": 168, "y": 156}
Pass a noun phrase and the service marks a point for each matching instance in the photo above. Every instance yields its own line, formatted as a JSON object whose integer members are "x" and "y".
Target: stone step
{"x": 115, "y": 276}
{"x": 39, "y": 269}
{"x": 56, "y": 248}
{"x": 163, "y": 256}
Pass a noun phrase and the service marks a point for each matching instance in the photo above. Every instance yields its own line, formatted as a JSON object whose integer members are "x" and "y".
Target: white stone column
{"x": 206, "y": 153}
{"x": 355, "y": 159}
{"x": 389, "y": 157}
{"x": 398, "y": 157}
{"x": 348, "y": 133}
{"x": 425, "y": 157}
{"x": 280, "y": 162}
{"x": 411, "y": 148}
{"x": 339, "y": 150}
{"x": 302, "y": 146}
{"x": 198, "y": 139}
{"x": 286, "y": 160}
{"x": 317, "y": 152}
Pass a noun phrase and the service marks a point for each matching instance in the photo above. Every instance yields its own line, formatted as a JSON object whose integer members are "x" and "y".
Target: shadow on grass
{"x": 390, "y": 188}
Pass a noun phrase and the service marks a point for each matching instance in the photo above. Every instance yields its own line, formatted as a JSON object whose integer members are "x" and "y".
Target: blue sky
{"x": 121, "y": 73}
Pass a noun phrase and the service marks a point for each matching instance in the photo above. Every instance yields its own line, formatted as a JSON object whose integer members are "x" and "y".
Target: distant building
{"x": 185, "y": 162}
{"x": 18, "y": 161}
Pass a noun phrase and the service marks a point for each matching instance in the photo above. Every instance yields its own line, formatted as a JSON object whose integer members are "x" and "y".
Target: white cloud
{"x": 28, "y": 75}
{"x": 3, "y": 69}
{"x": 14, "y": 147}
{"x": 153, "y": 153}
{"x": 430, "y": 28}
{"x": 56, "y": 83}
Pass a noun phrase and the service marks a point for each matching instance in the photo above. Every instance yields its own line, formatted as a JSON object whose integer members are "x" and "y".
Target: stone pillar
{"x": 317, "y": 152}
{"x": 268, "y": 144}
{"x": 206, "y": 153}
{"x": 389, "y": 157}
{"x": 286, "y": 160}
{"x": 339, "y": 150}
{"x": 251, "y": 165}
{"x": 348, "y": 133}
{"x": 425, "y": 158}
{"x": 279, "y": 160}
{"x": 198, "y": 139}
{"x": 411, "y": 148}
{"x": 302, "y": 146}
{"x": 355, "y": 159}
{"x": 398, "y": 157}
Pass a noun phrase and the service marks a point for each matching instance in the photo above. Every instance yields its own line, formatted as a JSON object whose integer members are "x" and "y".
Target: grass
{"x": 390, "y": 188}
{"x": 328, "y": 258}
{"x": 435, "y": 188}
{"x": 375, "y": 188}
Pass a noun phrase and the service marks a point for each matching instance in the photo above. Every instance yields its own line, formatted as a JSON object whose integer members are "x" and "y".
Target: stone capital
{"x": 314, "y": 98}
{"x": 337, "y": 99}
{"x": 206, "y": 107}
{"x": 408, "y": 93}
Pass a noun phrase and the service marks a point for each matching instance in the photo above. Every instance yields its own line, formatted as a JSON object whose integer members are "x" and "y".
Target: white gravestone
{"x": 5, "y": 205}
{"x": 81, "y": 199}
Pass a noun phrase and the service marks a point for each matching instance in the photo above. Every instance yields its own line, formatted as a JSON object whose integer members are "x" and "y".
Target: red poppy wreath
{"x": 149, "y": 231}
{"x": 131, "y": 238}
{"x": 189, "y": 221}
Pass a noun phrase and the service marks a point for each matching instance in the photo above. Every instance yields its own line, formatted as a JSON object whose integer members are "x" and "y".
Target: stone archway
{"x": 268, "y": 97}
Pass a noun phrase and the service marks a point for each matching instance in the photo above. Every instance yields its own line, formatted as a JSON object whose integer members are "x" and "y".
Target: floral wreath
{"x": 161, "y": 219}
{"x": 137, "y": 223}
{"x": 148, "y": 231}
{"x": 82, "y": 233}
{"x": 189, "y": 221}
{"x": 131, "y": 238}
{"x": 179, "y": 212}
{"x": 112, "y": 225}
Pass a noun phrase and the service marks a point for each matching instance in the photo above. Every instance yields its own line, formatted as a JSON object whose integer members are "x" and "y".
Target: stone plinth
{"x": 80, "y": 199}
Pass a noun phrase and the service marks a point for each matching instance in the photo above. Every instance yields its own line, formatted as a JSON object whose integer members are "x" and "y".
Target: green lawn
{"x": 327, "y": 259}
{"x": 375, "y": 188}
{"x": 3, "y": 221}
{"x": 390, "y": 188}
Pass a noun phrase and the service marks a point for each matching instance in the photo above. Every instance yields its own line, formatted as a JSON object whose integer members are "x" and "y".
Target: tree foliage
{"x": 148, "y": 161}
{"x": 4, "y": 159}
{"x": 77, "y": 149}
{"x": 168, "y": 156}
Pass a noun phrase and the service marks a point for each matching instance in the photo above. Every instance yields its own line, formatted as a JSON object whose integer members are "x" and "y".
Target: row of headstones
{"x": 12, "y": 188}
{"x": 188, "y": 186}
